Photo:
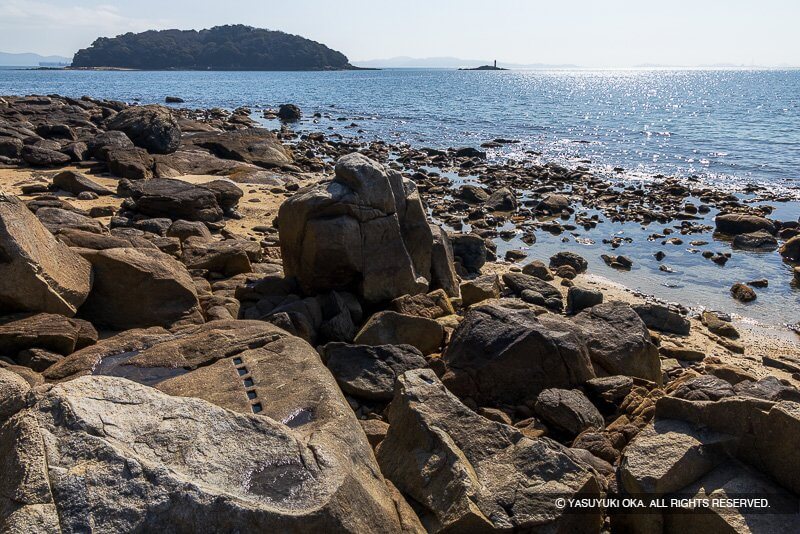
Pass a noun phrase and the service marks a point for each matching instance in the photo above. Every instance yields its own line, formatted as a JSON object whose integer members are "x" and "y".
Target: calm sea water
{"x": 728, "y": 127}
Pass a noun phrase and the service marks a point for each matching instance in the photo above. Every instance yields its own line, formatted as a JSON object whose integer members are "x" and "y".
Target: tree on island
{"x": 232, "y": 47}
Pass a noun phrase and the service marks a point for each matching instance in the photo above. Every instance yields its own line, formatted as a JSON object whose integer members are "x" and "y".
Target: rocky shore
{"x": 210, "y": 326}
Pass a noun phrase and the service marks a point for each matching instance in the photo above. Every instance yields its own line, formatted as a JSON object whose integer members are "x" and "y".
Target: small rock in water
{"x": 743, "y": 292}
{"x": 763, "y": 282}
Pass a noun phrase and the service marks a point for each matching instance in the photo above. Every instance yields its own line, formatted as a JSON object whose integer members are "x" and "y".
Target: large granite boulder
{"x": 48, "y": 331}
{"x": 37, "y": 273}
{"x": 506, "y": 355}
{"x": 392, "y": 328}
{"x": 107, "y": 454}
{"x": 470, "y": 474}
{"x": 365, "y": 231}
{"x": 272, "y": 446}
{"x": 618, "y": 341}
{"x": 152, "y": 127}
{"x": 76, "y": 183}
{"x": 136, "y": 288}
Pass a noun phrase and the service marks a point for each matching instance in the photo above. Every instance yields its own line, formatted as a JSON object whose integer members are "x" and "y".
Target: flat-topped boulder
{"x": 257, "y": 146}
{"x": 37, "y": 273}
{"x": 740, "y": 223}
{"x": 173, "y": 199}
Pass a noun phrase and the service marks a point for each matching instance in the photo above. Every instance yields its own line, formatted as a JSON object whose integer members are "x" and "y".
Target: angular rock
{"x": 43, "y": 157}
{"x": 76, "y": 183}
{"x": 173, "y": 199}
{"x": 369, "y": 372}
{"x": 443, "y": 274}
{"x": 618, "y": 341}
{"x": 580, "y": 298}
{"x": 37, "y": 273}
{"x": 470, "y": 474}
{"x": 57, "y": 219}
{"x": 46, "y": 331}
{"x": 479, "y": 289}
{"x": 392, "y": 328}
{"x": 568, "y": 410}
{"x": 135, "y": 288}
{"x": 470, "y": 251}
{"x": 252, "y": 145}
{"x": 229, "y": 257}
{"x": 662, "y": 318}
{"x": 364, "y": 232}
{"x": 504, "y": 355}
{"x": 196, "y": 466}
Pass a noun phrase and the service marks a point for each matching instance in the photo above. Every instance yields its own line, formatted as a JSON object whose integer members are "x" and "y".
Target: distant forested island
{"x": 235, "y": 47}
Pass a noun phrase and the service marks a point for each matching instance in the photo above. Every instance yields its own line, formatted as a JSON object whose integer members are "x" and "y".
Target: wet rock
{"x": 473, "y": 194}
{"x": 569, "y": 258}
{"x": 737, "y": 223}
{"x": 289, "y": 113}
{"x": 502, "y": 199}
{"x": 743, "y": 292}
{"x": 37, "y": 273}
{"x": 460, "y": 467}
{"x": 568, "y": 410}
{"x": 791, "y": 249}
{"x": 663, "y": 318}
{"x": 504, "y": 355}
{"x": 76, "y": 183}
{"x": 136, "y": 288}
{"x": 392, "y": 328}
{"x": 369, "y": 372}
{"x": 479, "y": 289}
{"x": 760, "y": 240}
{"x": 717, "y": 326}
{"x": 579, "y": 298}
{"x": 619, "y": 341}
{"x": 365, "y": 232}
{"x": 553, "y": 204}
{"x": 152, "y": 127}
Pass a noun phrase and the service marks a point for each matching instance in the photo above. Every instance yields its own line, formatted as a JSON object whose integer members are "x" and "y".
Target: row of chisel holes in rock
{"x": 249, "y": 386}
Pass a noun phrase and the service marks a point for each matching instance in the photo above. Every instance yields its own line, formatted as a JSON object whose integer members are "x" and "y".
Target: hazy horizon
{"x": 618, "y": 33}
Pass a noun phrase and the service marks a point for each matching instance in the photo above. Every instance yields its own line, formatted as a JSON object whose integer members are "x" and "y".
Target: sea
{"x": 727, "y": 128}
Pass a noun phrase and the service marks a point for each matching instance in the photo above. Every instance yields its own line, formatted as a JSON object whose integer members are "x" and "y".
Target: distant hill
{"x": 235, "y": 47}
{"x": 405, "y": 62}
{"x": 29, "y": 60}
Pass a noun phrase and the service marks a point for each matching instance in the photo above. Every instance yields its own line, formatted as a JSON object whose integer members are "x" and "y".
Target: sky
{"x": 590, "y": 33}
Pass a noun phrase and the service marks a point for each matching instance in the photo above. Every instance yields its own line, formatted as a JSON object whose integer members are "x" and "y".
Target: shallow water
{"x": 728, "y": 127}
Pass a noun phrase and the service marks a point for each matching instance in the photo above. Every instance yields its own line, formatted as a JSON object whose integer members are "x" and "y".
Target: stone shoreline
{"x": 178, "y": 285}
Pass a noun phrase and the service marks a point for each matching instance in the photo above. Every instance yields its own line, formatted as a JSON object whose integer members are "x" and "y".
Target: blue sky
{"x": 594, "y": 33}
